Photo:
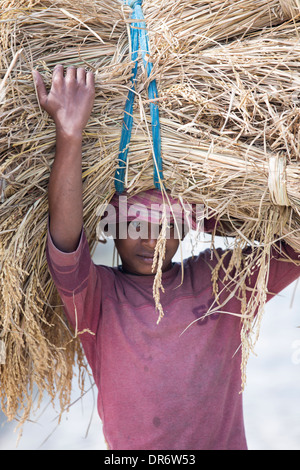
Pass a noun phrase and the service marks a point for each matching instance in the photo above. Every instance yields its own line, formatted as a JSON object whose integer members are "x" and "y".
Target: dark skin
{"x": 137, "y": 254}
{"x": 70, "y": 102}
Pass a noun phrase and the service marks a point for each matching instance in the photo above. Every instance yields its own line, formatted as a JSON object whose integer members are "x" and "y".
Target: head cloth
{"x": 148, "y": 206}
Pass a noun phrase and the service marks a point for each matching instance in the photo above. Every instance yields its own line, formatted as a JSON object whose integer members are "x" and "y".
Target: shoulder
{"x": 207, "y": 259}
{"x": 198, "y": 269}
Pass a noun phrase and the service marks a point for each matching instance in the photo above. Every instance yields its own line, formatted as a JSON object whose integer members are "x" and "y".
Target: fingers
{"x": 58, "y": 74}
{"x": 90, "y": 80}
{"x": 72, "y": 76}
{"x": 81, "y": 76}
{"x": 40, "y": 88}
{"x": 72, "y": 73}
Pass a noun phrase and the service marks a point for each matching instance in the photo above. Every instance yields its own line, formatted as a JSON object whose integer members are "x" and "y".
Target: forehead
{"x": 150, "y": 208}
{"x": 136, "y": 229}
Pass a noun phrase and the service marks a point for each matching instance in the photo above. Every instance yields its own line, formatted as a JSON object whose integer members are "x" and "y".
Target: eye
{"x": 136, "y": 225}
{"x": 169, "y": 226}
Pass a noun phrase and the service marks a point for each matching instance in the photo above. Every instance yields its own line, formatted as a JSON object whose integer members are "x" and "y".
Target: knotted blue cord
{"x": 139, "y": 39}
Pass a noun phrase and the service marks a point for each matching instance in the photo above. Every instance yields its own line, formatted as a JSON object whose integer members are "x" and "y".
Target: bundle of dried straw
{"x": 228, "y": 75}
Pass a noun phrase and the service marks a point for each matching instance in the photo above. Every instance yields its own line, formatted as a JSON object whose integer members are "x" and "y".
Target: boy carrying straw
{"x": 170, "y": 386}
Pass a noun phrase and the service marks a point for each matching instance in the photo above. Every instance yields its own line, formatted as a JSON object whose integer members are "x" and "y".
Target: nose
{"x": 149, "y": 243}
{"x": 151, "y": 239}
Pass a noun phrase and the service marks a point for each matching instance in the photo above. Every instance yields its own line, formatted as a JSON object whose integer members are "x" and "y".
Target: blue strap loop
{"x": 133, "y": 3}
{"x": 139, "y": 40}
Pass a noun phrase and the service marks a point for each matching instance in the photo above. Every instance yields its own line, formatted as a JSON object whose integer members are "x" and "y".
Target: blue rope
{"x": 139, "y": 39}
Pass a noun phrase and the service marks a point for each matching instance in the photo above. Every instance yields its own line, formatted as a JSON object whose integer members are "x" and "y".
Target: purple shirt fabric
{"x": 169, "y": 386}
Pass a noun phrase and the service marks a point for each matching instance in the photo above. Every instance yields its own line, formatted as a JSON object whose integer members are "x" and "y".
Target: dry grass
{"x": 228, "y": 76}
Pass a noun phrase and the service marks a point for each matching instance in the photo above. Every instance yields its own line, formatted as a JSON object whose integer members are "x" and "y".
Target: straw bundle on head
{"x": 229, "y": 113}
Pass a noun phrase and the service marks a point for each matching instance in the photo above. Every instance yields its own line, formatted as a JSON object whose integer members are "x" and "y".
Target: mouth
{"x": 147, "y": 259}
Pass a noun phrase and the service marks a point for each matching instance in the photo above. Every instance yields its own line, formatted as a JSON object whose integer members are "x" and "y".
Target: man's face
{"x": 137, "y": 252}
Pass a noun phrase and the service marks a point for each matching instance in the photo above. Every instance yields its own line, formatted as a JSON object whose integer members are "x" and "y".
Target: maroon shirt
{"x": 166, "y": 386}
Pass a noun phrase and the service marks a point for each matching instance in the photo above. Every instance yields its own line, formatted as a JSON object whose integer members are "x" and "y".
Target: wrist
{"x": 68, "y": 135}
{"x": 68, "y": 146}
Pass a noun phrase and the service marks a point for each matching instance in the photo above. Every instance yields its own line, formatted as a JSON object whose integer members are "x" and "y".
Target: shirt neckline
{"x": 148, "y": 280}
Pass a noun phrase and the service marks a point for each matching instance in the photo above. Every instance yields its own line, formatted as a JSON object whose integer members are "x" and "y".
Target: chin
{"x": 146, "y": 271}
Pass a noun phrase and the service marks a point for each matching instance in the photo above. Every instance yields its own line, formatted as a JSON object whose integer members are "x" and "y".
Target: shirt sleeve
{"x": 284, "y": 269}
{"x": 78, "y": 283}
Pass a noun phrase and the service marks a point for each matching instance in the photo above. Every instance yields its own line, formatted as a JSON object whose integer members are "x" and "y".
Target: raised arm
{"x": 69, "y": 103}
